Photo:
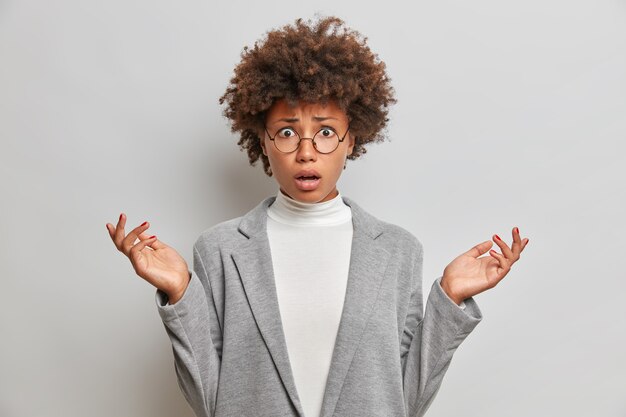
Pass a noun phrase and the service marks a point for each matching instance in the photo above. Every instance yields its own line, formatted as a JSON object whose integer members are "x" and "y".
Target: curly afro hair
{"x": 310, "y": 63}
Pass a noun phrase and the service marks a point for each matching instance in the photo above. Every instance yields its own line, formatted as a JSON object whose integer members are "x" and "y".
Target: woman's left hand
{"x": 468, "y": 275}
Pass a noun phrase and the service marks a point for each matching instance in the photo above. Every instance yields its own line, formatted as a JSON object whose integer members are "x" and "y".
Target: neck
{"x": 286, "y": 210}
{"x": 334, "y": 194}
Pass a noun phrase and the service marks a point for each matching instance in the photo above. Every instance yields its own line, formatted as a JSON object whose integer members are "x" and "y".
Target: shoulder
{"x": 394, "y": 237}
{"x": 400, "y": 240}
{"x": 213, "y": 238}
{"x": 401, "y": 235}
{"x": 229, "y": 234}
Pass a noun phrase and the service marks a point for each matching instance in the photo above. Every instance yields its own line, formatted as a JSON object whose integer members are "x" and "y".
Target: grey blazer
{"x": 389, "y": 357}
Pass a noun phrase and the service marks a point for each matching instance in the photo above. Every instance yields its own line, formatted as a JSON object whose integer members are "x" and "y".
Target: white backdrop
{"x": 508, "y": 114}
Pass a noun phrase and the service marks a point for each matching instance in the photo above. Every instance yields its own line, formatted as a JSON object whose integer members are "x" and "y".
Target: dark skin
{"x": 468, "y": 275}
{"x": 159, "y": 264}
{"x": 162, "y": 266}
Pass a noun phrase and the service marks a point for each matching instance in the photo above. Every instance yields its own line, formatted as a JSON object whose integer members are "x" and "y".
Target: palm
{"x": 153, "y": 260}
{"x": 472, "y": 275}
{"x": 468, "y": 274}
{"x": 159, "y": 265}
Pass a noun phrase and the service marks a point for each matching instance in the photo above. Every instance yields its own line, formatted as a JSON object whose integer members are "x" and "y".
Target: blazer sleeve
{"x": 197, "y": 350}
{"x": 430, "y": 339}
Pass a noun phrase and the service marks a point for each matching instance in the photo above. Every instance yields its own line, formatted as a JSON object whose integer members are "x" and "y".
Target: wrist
{"x": 451, "y": 295}
{"x": 175, "y": 295}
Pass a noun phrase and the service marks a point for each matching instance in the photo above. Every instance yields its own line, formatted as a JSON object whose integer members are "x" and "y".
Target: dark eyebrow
{"x": 295, "y": 119}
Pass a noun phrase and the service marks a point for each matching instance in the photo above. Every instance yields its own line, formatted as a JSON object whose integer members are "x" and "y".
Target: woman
{"x": 307, "y": 305}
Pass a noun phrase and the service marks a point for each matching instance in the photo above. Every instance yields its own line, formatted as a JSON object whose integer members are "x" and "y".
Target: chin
{"x": 313, "y": 196}
{"x": 306, "y": 197}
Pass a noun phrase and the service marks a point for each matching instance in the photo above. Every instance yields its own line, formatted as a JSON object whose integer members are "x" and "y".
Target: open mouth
{"x": 307, "y": 182}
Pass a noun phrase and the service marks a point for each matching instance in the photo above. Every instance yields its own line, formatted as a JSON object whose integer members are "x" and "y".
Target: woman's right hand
{"x": 152, "y": 259}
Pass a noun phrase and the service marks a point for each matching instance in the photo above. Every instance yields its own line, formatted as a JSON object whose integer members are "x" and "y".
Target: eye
{"x": 327, "y": 132}
{"x": 286, "y": 132}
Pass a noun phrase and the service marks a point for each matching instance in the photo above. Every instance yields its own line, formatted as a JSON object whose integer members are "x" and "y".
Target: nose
{"x": 306, "y": 151}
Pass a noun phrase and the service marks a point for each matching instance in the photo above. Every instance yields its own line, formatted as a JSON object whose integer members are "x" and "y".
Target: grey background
{"x": 509, "y": 114}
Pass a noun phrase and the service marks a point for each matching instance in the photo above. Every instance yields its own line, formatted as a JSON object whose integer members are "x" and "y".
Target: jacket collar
{"x": 255, "y": 221}
{"x": 368, "y": 262}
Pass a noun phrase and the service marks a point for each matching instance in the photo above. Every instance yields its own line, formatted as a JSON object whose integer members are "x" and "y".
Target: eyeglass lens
{"x": 325, "y": 140}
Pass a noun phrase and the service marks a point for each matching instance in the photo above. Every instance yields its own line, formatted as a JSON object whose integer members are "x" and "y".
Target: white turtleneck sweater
{"x": 310, "y": 246}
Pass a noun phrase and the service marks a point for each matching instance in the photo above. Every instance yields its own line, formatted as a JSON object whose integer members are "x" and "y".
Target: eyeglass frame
{"x": 312, "y": 139}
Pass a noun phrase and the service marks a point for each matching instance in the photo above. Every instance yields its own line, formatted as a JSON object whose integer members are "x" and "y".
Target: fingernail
{"x": 516, "y": 230}
{"x": 152, "y": 236}
{"x": 498, "y": 237}
{"x": 144, "y": 223}
{"x": 120, "y": 217}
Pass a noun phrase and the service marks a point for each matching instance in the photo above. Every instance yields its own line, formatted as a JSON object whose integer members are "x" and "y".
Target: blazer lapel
{"x": 254, "y": 264}
{"x": 368, "y": 261}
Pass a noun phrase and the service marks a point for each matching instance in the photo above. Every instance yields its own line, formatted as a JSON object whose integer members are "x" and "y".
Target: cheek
{"x": 337, "y": 164}
{"x": 274, "y": 161}
{"x": 277, "y": 164}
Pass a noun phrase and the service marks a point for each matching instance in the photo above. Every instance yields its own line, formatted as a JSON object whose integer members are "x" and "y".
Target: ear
{"x": 262, "y": 142}
{"x": 351, "y": 141}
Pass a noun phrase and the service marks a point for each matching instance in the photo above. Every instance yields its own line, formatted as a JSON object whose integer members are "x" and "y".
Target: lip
{"x": 307, "y": 185}
{"x": 308, "y": 173}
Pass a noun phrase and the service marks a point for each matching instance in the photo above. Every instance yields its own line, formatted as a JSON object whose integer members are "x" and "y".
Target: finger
{"x": 479, "y": 249}
{"x": 503, "y": 263}
{"x": 110, "y": 229}
{"x": 132, "y": 236}
{"x": 517, "y": 241}
{"x": 135, "y": 253}
{"x": 143, "y": 236}
{"x": 119, "y": 231}
{"x": 506, "y": 251}
{"x": 156, "y": 244}
{"x": 138, "y": 247}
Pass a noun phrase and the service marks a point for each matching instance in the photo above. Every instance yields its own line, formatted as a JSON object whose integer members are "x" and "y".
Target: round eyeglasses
{"x": 287, "y": 139}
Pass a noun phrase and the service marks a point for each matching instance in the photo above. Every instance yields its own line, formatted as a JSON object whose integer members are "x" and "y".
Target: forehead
{"x": 280, "y": 108}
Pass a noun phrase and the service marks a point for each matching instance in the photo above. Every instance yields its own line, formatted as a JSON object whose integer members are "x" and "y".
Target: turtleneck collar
{"x": 328, "y": 213}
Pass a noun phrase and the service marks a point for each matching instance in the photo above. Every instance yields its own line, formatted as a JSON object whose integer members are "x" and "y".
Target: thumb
{"x": 479, "y": 249}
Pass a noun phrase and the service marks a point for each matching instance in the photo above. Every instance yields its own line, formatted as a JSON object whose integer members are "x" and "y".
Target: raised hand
{"x": 468, "y": 275}
{"x": 153, "y": 260}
